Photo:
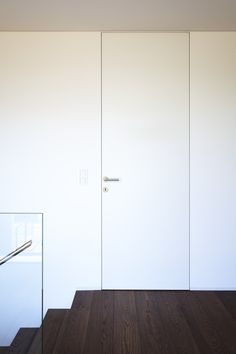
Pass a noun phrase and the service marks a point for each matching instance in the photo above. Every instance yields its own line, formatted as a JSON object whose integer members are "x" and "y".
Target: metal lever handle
{"x": 106, "y": 179}
{"x": 14, "y": 253}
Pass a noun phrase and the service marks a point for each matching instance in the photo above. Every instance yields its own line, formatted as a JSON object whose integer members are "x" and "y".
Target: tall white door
{"x": 145, "y": 134}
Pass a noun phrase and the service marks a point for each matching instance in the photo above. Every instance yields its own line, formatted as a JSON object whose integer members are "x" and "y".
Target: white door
{"x": 145, "y": 134}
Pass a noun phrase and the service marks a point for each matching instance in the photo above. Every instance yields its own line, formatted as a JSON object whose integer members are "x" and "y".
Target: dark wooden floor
{"x": 145, "y": 322}
{"x": 135, "y": 322}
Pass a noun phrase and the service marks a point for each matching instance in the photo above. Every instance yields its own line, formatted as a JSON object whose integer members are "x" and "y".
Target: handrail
{"x": 14, "y": 253}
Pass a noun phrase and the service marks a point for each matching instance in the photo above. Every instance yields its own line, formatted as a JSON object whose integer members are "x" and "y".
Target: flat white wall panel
{"x": 49, "y": 132}
{"x": 213, "y": 160}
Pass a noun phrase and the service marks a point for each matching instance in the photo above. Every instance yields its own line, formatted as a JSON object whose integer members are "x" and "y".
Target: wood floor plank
{"x": 224, "y": 325}
{"x": 99, "y": 337}
{"x": 36, "y": 346}
{"x": 176, "y": 328}
{"x": 72, "y": 334}
{"x": 154, "y": 339}
{"x": 207, "y": 320}
{"x": 126, "y": 332}
{"x": 51, "y": 326}
{"x": 194, "y": 318}
{"x": 4, "y": 350}
{"x": 45, "y": 339}
{"x": 228, "y": 298}
{"x": 23, "y": 340}
{"x": 79, "y": 298}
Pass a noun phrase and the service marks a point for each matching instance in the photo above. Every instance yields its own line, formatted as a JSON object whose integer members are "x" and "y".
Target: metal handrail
{"x": 14, "y": 253}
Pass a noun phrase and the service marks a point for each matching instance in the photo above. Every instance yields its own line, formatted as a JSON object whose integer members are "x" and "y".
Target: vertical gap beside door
{"x": 189, "y": 169}
{"x": 101, "y": 164}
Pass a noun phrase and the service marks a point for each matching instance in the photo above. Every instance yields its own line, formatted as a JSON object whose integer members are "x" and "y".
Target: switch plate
{"x": 83, "y": 176}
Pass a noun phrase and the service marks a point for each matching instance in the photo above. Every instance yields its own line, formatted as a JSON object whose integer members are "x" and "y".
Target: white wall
{"x": 50, "y": 130}
{"x": 213, "y": 160}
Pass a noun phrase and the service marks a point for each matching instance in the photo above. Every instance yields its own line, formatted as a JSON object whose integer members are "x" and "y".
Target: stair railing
{"x": 15, "y": 252}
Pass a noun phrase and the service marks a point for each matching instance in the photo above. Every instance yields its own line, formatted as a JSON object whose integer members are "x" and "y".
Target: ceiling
{"x": 120, "y": 15}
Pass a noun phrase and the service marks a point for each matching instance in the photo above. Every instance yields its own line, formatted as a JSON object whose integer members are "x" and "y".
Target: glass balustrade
{"x": 20, "y": 273}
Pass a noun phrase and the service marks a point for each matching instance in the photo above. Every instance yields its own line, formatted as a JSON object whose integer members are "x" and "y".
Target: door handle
{"x": 107, "y": 179}
{"x": 14, "y": 253}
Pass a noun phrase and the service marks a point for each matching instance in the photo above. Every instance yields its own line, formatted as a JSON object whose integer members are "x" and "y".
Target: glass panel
{"x": 21, "y": 275}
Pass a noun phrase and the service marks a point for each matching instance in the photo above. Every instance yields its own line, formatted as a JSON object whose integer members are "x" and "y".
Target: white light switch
{"x": 83, "y": 176}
